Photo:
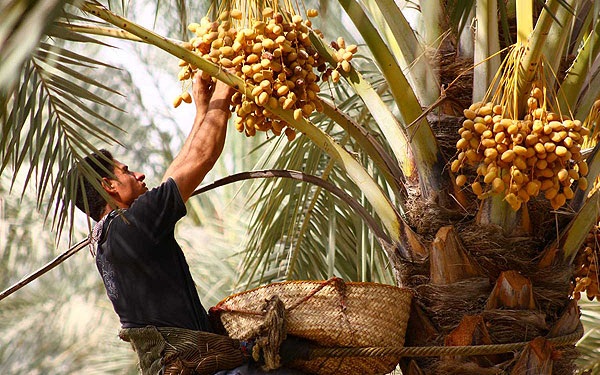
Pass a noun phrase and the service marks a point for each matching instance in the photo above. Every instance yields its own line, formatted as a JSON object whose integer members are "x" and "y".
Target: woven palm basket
{"x": 331, "y": 313}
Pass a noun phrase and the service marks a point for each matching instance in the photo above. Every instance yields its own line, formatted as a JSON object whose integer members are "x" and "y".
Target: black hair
{"x": 101, "y": 163}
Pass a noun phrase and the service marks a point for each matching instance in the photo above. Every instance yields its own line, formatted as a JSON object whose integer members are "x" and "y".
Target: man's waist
{"x": 160, "y": 324}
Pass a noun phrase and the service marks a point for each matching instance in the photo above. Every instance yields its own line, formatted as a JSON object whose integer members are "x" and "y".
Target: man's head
{"x": 121, "y": 184}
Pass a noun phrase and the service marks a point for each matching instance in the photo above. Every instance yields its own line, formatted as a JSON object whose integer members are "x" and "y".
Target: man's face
{"x": 128, "y": 185}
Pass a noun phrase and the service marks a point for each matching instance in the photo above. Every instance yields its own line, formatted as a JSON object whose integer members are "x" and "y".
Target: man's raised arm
{"x": 204, "y": 144}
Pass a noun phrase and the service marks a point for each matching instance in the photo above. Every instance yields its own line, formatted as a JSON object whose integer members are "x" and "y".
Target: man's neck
{"x": 107, "y": 210}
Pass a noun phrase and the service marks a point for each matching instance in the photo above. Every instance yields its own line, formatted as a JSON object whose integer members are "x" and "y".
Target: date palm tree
{"x": 483, "y": 271}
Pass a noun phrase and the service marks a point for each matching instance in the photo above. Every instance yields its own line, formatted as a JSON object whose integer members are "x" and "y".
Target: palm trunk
{"x": 467, "y": 308}
{"x": 478, "y": 285}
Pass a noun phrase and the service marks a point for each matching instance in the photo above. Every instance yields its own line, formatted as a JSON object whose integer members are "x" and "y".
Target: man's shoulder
{"x": 152, "y": 215}
{"x": 167, "y": 190}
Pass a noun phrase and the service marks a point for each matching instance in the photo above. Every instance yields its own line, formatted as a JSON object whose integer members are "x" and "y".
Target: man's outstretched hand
{"x": 208, "y": 94}
{"x": 201, "y": 93}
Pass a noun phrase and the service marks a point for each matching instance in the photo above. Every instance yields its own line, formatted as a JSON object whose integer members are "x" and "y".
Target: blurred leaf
{"x": 589, "y": 345}
{"x": 48, "y": 121}
{"x": 22, "y": 27}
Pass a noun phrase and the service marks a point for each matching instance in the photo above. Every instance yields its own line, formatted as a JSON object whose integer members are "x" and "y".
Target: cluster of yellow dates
{"x": 275, "y": 56}
{"x": 586, "y": 267}
{"x": 520, "y": 159}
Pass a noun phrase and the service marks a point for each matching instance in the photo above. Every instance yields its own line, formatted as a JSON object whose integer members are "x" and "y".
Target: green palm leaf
{"x": 287, "y": 239}
{"x": 573, "y": 95}
{"x": 417, "y": 146}
{"x": 49, "y": 122}
{"x": 590, "y": 342}
{"x": 23, "y": 24}
{"x": 394, "y": 27}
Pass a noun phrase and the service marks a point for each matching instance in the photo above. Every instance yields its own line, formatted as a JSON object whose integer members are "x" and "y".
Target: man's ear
{"x": 107, "y": 185}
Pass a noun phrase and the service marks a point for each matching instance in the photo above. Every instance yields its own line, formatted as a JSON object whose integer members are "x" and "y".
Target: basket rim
{"x": 331, "y": 280}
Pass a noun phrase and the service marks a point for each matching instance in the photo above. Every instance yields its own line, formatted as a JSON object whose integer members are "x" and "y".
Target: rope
{"x": 270, "y": 334}
{"x": 435, "y": 351}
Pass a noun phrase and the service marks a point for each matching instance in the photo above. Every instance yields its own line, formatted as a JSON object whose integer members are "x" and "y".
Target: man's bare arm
{"x": 204, "y": 144}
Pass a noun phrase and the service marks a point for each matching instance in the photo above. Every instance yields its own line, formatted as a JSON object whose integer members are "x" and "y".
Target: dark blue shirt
{"x": 143, "y": 268}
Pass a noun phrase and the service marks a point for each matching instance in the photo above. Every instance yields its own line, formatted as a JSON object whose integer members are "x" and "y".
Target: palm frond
{"x": 558, "y": 37}
{"x": 574, "y": 94}
{"x": 23, "y": 24}
{"x": 411, "y": 55}
{"x": 589, "y": 358}
{"x": 306, "y": 233}
{"x": 415, "y": 142}
{"x": 487, "y": 44}
{"x": 537, "y": 42}
{"x": 50, "y": 124}
{"x": 182, "y": 11}
{"x": 290, "y": 234}
{"x": 579, "y": 226}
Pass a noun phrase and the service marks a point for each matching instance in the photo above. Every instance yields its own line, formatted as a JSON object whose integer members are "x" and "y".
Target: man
{"x": 143, "y": 268}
